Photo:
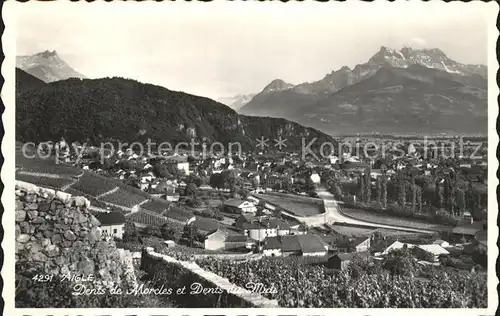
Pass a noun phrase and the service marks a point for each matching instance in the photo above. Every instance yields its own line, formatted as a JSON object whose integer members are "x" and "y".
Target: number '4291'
{"x": 43, "y": 277}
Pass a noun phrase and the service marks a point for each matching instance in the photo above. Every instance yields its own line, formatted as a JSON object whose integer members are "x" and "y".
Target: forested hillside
{"x": 126, "y": 110}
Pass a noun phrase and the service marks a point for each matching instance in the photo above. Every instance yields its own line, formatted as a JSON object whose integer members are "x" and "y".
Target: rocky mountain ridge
{"x": 47, "y": 66}
{"x": 305, "y": 102}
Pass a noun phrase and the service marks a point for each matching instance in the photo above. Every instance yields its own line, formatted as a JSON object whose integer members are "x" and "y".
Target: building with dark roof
{"x": 239, "y": 241}
{"x": 112, "y": 223}
{"x": 300, "y": 245}
{"x": 239, "y": 206}
{"x": 341, "y": 261}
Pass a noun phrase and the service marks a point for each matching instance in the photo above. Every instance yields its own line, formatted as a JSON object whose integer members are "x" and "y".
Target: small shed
{"x": 341, "y": 261}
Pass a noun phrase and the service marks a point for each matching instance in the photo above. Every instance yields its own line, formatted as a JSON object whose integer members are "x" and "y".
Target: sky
{"x": 222, "y": 49}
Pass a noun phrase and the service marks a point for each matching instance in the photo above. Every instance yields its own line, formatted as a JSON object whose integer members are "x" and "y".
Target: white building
{"x": 434, "y": 250}
{"x": 260, "y": 230}
{"x": 396, "y": 246}
{"x": 112, "y": 223}
{"x": 315, "y": 178}
{"x": 333, "y": 159}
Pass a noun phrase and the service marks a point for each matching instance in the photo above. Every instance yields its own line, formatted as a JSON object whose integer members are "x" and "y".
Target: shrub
{"x": 443, "y": 217}
{"x": 208, "y": 213}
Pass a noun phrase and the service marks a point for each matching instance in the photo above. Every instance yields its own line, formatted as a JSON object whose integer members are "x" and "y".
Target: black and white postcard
{"x": 185, "y": 158}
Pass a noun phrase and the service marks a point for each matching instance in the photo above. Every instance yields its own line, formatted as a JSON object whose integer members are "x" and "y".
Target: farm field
{"x": 178, "y": 213}
{"x": 391, "y": 220}
{"x": 292, "y": 205}
{"x": 123, "y": 198}
{"x": 148, "y": 219}
{"x": 48, "y": 182}
{"x": 155, "y": 206}
{"x": 93, "y": 185}
{"x": 47, "y": 165}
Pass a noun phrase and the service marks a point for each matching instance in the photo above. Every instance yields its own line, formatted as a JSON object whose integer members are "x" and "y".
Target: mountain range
{"x": 240, "y": 100}
{"x": 117, "y": 109}
{"x": 47, "y": 66}
{"x": 405, "y": 90}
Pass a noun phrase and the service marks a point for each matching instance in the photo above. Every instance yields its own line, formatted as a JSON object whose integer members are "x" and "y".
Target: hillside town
{"x": 268, "y": 203}
{"x": 367, "y": 188}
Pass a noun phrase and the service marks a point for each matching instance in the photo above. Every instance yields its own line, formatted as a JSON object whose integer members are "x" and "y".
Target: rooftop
{"x": 434, "y": 249}
{"x": 111, "y": 218}
{"x": 234, "y": 202}
{"x": 351, "y": 255}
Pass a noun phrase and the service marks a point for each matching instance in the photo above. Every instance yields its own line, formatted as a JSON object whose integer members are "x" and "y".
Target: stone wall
{"x": 56, "y": 234}
{"x": 175, "y": 273}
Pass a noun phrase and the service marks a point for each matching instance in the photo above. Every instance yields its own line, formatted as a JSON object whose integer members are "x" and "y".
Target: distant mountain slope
{"x": 47, "y": 66}
{"x": 25, "y": 81}
{"x": 236, "y": 102}
{"x": 299, "y": 102}
{"x": 260, "y": 101}
{"x": 413, "y": 99}
{"x": 127, "y": 110}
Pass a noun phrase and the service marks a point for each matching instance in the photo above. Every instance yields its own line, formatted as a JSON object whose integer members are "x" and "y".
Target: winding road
{"x": 333, "y": 215}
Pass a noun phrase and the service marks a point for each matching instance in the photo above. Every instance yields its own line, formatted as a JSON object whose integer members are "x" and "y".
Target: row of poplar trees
{"x": 365, "y": 187}
{"x": 448, "y": 195}
{"x": 451, "y": 197}
{"x": 405, "y": 184}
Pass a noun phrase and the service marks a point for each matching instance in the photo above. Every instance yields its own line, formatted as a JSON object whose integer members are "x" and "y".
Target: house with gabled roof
{"x": 423, "y": 251}
{"x": 239, "y": 206}
{"x": 239, "y": 241}
{"x": 397, "y": 245}
{"x": 112, "y": 223}
{"x": 215, "y": 240}
{"x": 299, "y": 245}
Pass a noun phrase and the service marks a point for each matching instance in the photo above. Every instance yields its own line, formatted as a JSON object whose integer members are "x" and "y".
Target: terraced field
{"x": 94, "y": 185}
{"x": 123, "y": 198}
{"x": 156, "y": 206}
{"x": 118, "y": 195}
{"x": 148, "y": 219}
{"x": 49, "y": 182}
{"x": 179, "y": 214}
{"x": 45, "y": 166}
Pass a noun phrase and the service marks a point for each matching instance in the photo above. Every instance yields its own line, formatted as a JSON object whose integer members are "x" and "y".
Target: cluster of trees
{"x": 228, "y": 179}
{"x": 456, "y": 199}
{"x": 365, "y": 188}
{"x": 213, "y": 212}
{"x": 411, "y": 192}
